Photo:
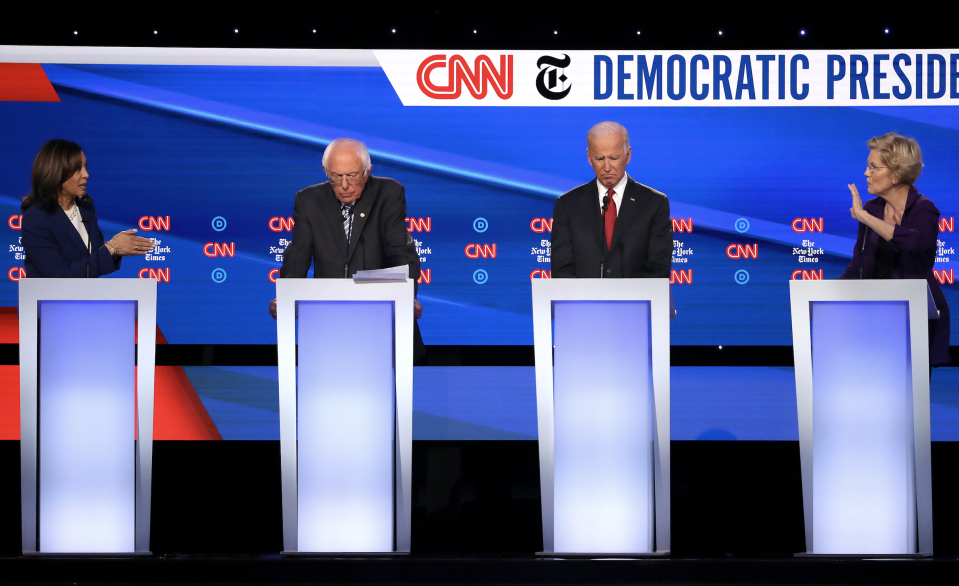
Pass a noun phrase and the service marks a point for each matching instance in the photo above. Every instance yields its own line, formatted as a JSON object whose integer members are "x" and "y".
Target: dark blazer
{"x": 53, "y": 246}
{"x": 915, "y": 239}
{"x": 380, "y": 239}
{"x": 642, "y": 243}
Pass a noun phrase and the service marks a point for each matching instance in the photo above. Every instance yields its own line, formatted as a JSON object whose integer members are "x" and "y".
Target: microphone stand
{"x": 863, "y": 250}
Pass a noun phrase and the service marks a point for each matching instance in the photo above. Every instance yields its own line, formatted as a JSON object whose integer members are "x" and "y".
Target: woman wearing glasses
{"x": 899, "y": 229}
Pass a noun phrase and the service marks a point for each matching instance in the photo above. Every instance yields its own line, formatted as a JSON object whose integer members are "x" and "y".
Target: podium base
{"x": 344, "y": 554}
{"x": 566, "y": 554}
{"x": 119, "y": 554}
{"x": 865, "y": 556}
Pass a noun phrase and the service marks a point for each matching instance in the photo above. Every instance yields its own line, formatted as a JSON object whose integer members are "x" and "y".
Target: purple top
{"x": 914, "y": 241}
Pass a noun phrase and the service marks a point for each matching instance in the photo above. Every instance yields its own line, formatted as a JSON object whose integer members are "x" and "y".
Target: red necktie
{"x": 610, "y": 219}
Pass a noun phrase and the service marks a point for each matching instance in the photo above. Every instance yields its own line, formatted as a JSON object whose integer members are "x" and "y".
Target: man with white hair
{"x": 352, "y": 222}
{"x": 612, "y": 227}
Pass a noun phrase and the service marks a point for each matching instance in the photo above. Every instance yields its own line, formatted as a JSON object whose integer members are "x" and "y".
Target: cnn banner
{"x": 681, "y": 78}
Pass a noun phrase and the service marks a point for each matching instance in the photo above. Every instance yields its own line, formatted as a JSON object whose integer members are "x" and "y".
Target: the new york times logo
{"x": 551, "y": 81}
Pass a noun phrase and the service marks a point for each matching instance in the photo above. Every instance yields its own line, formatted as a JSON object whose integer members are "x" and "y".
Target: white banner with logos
{"x": 887, "y": 77}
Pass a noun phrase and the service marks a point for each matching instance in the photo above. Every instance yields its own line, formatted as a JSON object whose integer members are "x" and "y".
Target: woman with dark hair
{"x": 898, "y": 229}
{"x": 61, "y": 237}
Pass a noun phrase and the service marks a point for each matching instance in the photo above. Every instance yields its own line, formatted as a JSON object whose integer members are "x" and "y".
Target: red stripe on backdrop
{"x": 25, "y": 82}
{"x": 9, "y": 326}
{"x": 178, "y": 413}
{"x": 9, "y": 402}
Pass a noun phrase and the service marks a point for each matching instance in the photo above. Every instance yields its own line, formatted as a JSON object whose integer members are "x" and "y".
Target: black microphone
{"x": 605, "y": 204}
{"x": 86, "y": 226}
{"x": 863, "y": 250}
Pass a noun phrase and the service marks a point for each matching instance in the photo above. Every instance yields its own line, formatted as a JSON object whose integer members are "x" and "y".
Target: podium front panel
{"x": 602, "y": 405}
{"x": 861, "y": 351}
{"x": 87, "y": 390}
{"x": 602, "y": 408}
{"x": 862, "y": 415}
{"x": 345, "y": 391}
{"x": 346, "y": 414}
{"x": 86, "y": 414}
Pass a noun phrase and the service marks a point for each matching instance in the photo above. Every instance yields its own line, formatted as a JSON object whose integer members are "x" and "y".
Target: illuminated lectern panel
{"x": 86, "y": 414}
{"x": 862, "y": 388}
{"x": 602, "y": 399}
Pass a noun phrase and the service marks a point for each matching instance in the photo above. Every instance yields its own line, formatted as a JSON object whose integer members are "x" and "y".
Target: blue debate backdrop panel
{"x": 754, "y": 151}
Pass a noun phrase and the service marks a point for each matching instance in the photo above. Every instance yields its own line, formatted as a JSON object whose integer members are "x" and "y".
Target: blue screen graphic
{"x": 207, "y": 158}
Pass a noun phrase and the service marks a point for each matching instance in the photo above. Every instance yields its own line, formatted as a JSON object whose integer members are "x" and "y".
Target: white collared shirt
{"x": 74, "y": 216}
{"x": 617, "y": 192}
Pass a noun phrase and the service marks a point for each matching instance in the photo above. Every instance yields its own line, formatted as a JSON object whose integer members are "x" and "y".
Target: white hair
{"x": 607, "y": 128}
{"x": 360, "y": 150}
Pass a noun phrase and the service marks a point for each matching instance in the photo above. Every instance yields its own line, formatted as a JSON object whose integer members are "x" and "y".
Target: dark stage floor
{"x": 736, "y": 519}
{"x": 474, "y": 570}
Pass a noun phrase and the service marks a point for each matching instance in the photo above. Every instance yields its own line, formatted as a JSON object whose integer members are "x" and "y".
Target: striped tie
{"x": 347, "y": 211}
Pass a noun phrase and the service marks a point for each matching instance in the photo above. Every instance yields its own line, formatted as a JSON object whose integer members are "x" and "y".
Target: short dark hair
{"x": 56, "y": 162}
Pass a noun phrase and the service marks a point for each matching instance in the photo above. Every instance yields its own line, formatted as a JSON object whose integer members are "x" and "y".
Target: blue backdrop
{"x": 221, "y": 151}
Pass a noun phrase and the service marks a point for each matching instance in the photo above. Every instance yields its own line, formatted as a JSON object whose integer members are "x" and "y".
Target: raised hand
{"x": 856, "y": 210}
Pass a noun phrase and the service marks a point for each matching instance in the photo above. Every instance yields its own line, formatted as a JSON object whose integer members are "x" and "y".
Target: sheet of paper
{"x": 389, "y": 275}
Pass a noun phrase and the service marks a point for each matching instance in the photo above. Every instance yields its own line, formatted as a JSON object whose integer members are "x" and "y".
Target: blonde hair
{"x": 902, "y": 155}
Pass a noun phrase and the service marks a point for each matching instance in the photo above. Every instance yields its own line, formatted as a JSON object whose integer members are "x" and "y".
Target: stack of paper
{"x": 390, "y": 275}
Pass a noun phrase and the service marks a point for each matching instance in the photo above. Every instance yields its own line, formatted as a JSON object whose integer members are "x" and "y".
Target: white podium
{"x": 861, "y": 352}
{"x": 346, "y": 415}
{"x": 84, "y": 479}
{"x": 602, "y": 398}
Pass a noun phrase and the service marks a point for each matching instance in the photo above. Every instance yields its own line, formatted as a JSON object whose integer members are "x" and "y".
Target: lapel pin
{"x": 362, "y": 215}
{"x": 632, "y": 199}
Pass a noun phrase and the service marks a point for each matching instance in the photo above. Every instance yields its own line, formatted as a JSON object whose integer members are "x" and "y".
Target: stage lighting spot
{"x": 394, "y": 30}
{"x": 236, "y": 30}
{"x": 887, "y": 31}
{"x": 555, "y": 32}
{"x": 74, "y": 32}
{"x": 802, "y": 32}
{"x": 154, "y": 32}
{"x": 720, "y": 33}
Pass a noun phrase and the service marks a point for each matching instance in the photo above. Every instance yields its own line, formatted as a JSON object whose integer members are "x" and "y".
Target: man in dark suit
{"x": 613, "y": 227}
{"x": 352, "y": 222}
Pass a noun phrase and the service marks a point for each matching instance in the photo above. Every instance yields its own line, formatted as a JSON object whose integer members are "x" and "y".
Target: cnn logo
{"x": 278, "y": 224}
{"x": 215, "y": 249}
{"x": 807, "y": 225}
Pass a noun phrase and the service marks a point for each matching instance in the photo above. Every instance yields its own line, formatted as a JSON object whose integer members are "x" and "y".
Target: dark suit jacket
{"x": 53, "y": 246}
{"x": 642, "y": 240}
{"x": 915, "y": 239}
{"x": 380, "y": 239}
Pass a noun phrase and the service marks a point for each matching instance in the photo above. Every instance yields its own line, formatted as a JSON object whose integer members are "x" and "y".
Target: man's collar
{"x": 618, "y": 188}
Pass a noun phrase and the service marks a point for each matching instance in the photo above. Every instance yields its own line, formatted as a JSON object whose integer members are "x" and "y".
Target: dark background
{"x": 727, "y": 497}
{"x": 498, "y": 24}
